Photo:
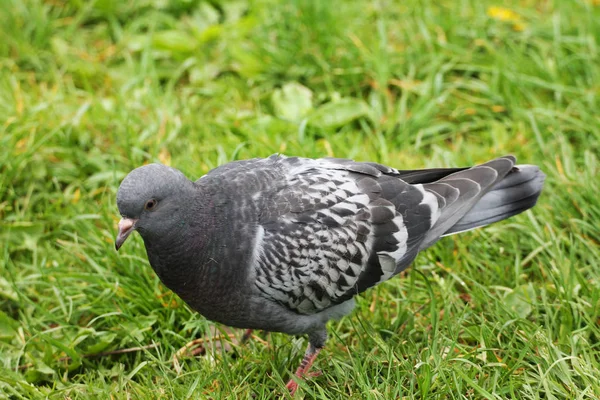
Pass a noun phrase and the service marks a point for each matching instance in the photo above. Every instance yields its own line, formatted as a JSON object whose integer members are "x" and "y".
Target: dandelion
{"x": 507, "y": 15}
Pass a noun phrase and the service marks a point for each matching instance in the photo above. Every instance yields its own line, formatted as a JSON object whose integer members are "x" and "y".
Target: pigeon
{"x": 284, "y": 244}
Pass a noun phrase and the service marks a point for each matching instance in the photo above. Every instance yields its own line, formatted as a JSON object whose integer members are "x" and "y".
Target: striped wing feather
{"x": 336, "y": 227}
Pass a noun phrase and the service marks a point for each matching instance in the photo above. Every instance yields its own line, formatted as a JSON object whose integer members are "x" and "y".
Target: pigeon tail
{"x": 518, "y": 191}
{"x": 482, "y": 195}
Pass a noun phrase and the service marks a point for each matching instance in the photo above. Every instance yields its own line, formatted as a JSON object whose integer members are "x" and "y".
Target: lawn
{"x": 91, "y": 90}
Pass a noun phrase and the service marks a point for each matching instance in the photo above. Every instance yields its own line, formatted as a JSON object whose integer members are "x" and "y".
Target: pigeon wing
{"x": 335, "y": 228}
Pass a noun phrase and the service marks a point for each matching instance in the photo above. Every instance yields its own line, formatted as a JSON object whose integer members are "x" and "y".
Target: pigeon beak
{"x": 126, "y": 226}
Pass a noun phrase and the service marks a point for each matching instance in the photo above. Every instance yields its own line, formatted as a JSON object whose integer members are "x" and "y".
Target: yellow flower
{"x": 503, "y": 14}
{"x": 506, "y": 15}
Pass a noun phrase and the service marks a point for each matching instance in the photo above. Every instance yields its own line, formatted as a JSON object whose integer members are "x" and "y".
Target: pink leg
{"x": 246, "y": 336}
{"x": 302, "y": 371}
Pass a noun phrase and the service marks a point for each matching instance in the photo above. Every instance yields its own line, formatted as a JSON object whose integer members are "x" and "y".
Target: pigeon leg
{"x": 316, "y": 343}
{"x": 246, "y": 336}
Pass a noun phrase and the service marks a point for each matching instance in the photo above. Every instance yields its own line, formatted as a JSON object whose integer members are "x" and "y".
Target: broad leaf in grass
{"x": 292, "y": 102}
{"x": 337, "y": 114}
{"x": 8, "y": 327}
{"x": 102, "y": 341}
{"x": 520, "y": 300}
{"x": 174, "y": 41}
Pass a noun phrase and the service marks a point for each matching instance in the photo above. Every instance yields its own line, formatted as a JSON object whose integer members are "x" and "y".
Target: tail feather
{"x": 517, "y": 192}
{"x": 486, "y": 193}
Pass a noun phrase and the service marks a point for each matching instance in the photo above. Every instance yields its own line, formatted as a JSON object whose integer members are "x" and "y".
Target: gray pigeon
{"x": 283, "y": 244}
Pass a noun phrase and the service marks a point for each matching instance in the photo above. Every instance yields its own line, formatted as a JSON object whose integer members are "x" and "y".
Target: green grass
{"x": 90, "y": 90}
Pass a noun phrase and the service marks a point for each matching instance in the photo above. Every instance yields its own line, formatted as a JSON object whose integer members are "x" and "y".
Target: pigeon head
{"x": 149, "y": 200}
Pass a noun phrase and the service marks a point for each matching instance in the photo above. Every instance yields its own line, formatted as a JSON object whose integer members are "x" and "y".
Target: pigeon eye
{"x": 150, "y": 204}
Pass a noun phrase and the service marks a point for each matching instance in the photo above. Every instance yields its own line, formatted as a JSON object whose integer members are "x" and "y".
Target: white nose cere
{"x": 125, "y": 224}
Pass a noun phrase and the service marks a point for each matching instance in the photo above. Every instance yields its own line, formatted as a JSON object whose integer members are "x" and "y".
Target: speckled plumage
{"x": 284, "y": 244}
{"x": 334, "y": 230}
